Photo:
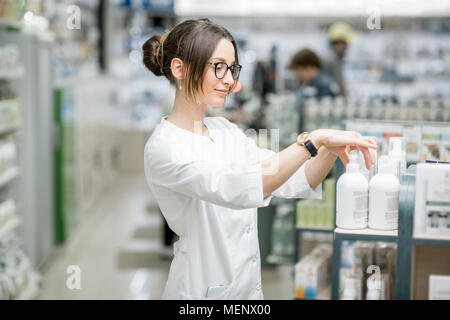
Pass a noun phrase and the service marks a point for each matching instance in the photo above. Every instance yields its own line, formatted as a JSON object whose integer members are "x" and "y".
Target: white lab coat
{"x": 209, "y": 193}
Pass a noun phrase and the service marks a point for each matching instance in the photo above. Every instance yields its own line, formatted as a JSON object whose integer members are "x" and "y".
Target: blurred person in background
{"x": 314, "y": 82}
{"x": 340, "y": 34}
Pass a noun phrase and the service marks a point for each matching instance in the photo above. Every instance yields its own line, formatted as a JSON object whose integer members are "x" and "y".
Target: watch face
{"x": 302, "y": 138}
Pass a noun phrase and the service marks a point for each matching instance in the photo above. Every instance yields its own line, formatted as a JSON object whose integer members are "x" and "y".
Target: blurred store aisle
{"x": 118, "y": 251}
{"x": 109, "y": 247}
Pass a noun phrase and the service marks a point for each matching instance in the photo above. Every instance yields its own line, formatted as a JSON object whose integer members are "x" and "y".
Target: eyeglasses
{"x": 221, "y": 68}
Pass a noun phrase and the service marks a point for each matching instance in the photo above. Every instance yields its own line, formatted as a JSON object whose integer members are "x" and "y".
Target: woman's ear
{"x": 176, "y": 66}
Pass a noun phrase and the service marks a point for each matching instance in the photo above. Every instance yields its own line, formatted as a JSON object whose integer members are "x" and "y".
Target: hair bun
{"x": 150, "y": 55}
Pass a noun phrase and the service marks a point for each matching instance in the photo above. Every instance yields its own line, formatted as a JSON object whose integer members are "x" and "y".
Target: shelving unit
{"x": 407, "y": 241}
{"x": 26, "y": 124}
{"x": 324, "y": 292}
{"x": 434, "y": 241}
{"x": 9, "y": 226}
{"x": 403, "y": 237}
{"x": 298, "y": 233}
{"x": 341, "y": 235}
{"x": 366, "y": 233}
{"x": 312, "y": 229}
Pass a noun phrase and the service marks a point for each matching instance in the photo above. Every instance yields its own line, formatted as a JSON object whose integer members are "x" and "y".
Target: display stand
{"x": 403, "y": 237}
{"x": 341, "y": 235}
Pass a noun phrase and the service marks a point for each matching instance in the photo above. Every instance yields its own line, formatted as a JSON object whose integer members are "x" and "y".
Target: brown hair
{"x": 304, "y": 58}
{"x": 192, "y": 41}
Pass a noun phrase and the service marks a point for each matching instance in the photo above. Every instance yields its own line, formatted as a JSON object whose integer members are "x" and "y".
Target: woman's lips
{"x": 222, "y": 92}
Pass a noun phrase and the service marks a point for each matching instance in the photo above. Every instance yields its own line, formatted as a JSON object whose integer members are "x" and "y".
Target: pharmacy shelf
{"x": 341, "y": 235}
{"x": 314, "y": 229}
{"x": 9, "y": 226}
{"x": 404, "y": 246}
{"x": 8, "y": 176}
{"x": 366, "y": 234}
{"x": 434, "y": 240}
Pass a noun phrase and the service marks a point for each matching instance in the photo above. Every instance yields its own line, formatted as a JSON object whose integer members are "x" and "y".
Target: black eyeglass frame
{"x": 215, "y": 64}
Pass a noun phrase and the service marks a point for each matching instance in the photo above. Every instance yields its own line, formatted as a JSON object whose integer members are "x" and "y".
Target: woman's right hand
{"x": 340, "y": 143}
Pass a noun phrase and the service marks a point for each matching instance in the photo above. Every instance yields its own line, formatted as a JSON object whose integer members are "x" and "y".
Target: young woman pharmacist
{"x": 209, "y": 178}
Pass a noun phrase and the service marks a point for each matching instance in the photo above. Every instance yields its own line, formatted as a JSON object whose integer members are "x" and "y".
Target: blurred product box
{"x": 439, "y": 287}
{"x": 432, "y": 201}
{"x": 356, "y": 257}
{"x": 312, "y": 272}
{"x": 318, "y": 213}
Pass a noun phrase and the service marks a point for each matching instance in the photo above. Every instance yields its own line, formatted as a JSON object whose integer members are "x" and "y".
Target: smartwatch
{"x": 304, "y": 139}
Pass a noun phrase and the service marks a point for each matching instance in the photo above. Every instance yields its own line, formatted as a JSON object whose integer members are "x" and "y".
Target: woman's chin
{"x": 217, "y": 103}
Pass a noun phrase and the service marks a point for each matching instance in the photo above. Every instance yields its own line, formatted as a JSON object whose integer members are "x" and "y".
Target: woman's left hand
{"x": 342, "y": 149}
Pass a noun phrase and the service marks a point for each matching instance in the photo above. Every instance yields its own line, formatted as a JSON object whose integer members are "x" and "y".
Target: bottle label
{"x": 361, "y": 203}
{"x": 392, "y": 207}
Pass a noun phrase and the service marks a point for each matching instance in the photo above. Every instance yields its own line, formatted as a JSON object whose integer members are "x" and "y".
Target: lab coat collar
{"x": 206, "y": 121}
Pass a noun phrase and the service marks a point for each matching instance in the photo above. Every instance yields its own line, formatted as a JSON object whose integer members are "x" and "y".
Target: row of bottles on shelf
{"x": 282, "y": 113}
{"x": 330, "y": 112}
{"x": 18, "y": 280}
{"x": 367, "y": 270}
{"x": 422, "y": 141}
{"x": 17, "y": 277}
{"x": 370, "y": 197}
{"x": 9, "y": 114}
{"x": 7, "y": 211}
{"x": 8, "y": 155}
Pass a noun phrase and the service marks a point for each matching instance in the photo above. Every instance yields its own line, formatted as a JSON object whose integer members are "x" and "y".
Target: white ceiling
{"x": 313, "y": 8}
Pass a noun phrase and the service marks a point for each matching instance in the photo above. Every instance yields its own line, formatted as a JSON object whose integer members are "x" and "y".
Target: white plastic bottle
{"x": 398, "y": 156}
{"x": 384, "y": 190}
{"x": 374, "y": 288}
{"x": 350, "y": 292}
{"x": 352, "y": 197}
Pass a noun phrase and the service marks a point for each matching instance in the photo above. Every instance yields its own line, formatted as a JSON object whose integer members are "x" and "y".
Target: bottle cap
{"x": 353, "y": 165}
{"x": 384, "y": 165}
{"x": 396, "y": 148}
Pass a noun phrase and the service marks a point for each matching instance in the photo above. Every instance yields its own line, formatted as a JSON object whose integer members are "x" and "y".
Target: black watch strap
{"x": 311, "y": 148}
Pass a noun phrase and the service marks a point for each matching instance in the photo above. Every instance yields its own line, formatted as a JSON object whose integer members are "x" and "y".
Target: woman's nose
{"x": 228, "y": 79}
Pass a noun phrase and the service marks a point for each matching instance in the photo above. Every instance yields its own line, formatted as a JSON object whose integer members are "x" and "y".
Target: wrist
{"x": 316, "y": 139}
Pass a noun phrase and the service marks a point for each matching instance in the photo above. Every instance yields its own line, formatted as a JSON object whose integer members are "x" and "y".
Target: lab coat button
{"x": 248, "y": 229}
{"x": 258, "y": 287}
